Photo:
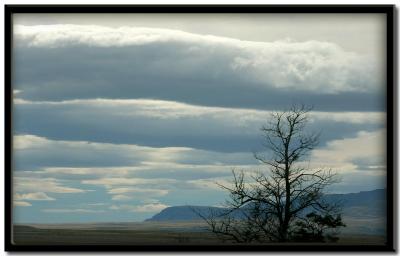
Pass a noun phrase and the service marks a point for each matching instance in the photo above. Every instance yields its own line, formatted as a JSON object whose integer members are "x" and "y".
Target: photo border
{"x": 389, "y": 10}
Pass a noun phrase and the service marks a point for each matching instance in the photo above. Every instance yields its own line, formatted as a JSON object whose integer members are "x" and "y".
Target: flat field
{"x": 143, "y": 233}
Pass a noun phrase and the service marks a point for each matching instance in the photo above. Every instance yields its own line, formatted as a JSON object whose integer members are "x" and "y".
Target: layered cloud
{"x": 41, "y": 185}
{"x": 74, "y": 61}
{"x": 172, "y": 110}
{"x": 127, "y": 193}
{"x": 366, "y": 151}
{"x": 27, "y": 188}
{"x": 157, "y": 123}
{"x": 126, "y": 121}
{"x": 37, "y": 196}
{"x": 22, "y": 203}
{"x": 78, "y": 211}
{"x": 33, "y": 152}
{"x": 154, "y": 172}
{"x": 171, "y": 178}
{"x": 152, "y": 208}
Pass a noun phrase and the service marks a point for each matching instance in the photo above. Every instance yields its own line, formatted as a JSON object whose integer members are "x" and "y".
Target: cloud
{"x": 159, "y": 171}
{"x": 29, "y": 141}
{"x": 151, "y": 186}
{"x": 133, "y": 190}
{"x": 121, "y": 198}
{"x": 130, "y": 193}
{"x": 96, "y": 204}
{"x": 152, "y": 207}
{"x": 109, "y": 182}
{"x": 22, "y": 203}
{"x": 158, "y": 123}
{"x": 349, "y": 117}
{"x": 37, "y": 196}
{"x": 65, "y": 35}
{"x": 120, "y": 159}
{"x": 77, "y": 211}
{"x": 172, "y": 110}
{"x": 58, "y": 62}
{"x": 42, "y": 185}
{"x": 360, "y": 162}
{"x": 33, "y": 151}
{"x": 214, "y": 184}
{"x": 144, "y": 170}
{"x": 154, "y": 117}
{"x": 367, "y": 151}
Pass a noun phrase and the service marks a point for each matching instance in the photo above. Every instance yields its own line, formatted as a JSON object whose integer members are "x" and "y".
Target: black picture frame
{"x": 389, "y": 10}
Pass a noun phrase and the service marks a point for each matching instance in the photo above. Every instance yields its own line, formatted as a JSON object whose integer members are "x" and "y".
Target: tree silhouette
{"x": 284, "y": 203}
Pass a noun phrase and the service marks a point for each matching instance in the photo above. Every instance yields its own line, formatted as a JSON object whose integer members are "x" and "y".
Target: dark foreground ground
{"x": 183, "y": 233}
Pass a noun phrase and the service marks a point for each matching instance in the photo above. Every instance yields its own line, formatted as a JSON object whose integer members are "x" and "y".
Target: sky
{"x": 116, "y": 117}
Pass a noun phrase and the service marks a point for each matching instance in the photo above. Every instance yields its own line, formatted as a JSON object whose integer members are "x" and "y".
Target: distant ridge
{"x": 362, "y": 204}
{"x": 184, "y": 213}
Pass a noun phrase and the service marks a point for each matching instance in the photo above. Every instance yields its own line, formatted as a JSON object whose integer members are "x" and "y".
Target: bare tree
{"x": 284, "y": 203}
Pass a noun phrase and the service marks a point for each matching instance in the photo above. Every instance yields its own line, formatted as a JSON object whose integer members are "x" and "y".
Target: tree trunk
{"x": 285, "y": 226}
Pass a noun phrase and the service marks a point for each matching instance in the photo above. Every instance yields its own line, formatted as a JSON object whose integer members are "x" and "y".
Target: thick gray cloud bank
{"x": 58, "y": 62}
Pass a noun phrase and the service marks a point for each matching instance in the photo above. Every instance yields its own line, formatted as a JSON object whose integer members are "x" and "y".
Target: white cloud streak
{"x": 37, "y": 196}
{"x": 121, "y": 198}
{"x": 42, "y": 185}
{"x": 171, "y": 110}
{"x": 344, "y": 154}
{"x": 151, "y": 208}
{"x": 109, "y": 182}
{"x": 22, "y": 203}
{"x": 77, "y": 211}
{"x": 133, "y": 190}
